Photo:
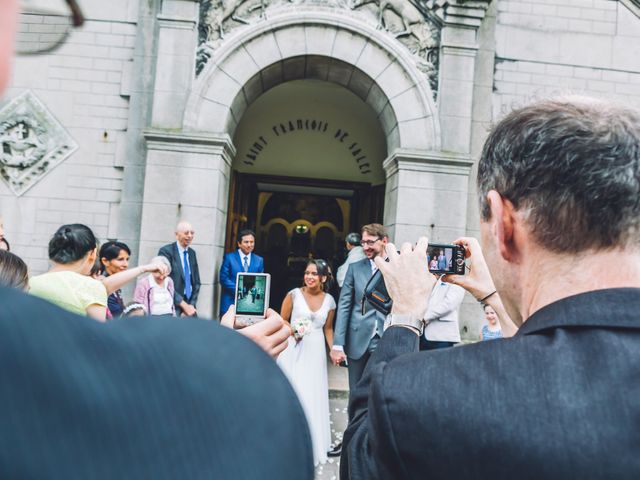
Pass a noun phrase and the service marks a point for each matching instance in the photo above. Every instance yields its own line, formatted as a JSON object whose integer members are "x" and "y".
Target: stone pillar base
{"x": 187, "y": 178}
{"x": 426, "y": 194}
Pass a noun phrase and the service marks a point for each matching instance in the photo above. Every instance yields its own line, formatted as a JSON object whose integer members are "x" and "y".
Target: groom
{"x": 242, "y": 260}
{"x": 356, "y": 335}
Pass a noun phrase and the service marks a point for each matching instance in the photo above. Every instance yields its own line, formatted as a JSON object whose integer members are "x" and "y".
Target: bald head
{"x": 184, "y": 234}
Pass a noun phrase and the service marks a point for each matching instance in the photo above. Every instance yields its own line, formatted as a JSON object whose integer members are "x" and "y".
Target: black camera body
{"x": 447, "y": 258}
{"x": 444, "y": 258}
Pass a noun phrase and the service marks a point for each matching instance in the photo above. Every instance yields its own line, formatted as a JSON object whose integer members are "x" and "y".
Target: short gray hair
{"x": 572, "y": 165}
{"x": 353, "y": 238}
{"x": 162, "y": 259}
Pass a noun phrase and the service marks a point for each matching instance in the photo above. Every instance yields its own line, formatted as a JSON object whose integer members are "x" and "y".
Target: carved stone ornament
{"x": 414, "y": 23}
{"x": 32, "y": 142}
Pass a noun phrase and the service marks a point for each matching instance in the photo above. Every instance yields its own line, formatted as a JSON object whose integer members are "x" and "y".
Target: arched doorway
{"x": 308, "y": 170}
{"x": 287, "y": 46}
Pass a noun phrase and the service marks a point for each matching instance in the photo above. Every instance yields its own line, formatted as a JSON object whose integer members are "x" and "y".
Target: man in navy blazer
{"x": 242, "y": 260}
{"x": 184, "y": 269}
{"x": 151, "y": 398}
{"x": 559, "y": 183}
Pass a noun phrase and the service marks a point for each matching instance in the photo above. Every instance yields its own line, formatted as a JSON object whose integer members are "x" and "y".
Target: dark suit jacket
{"x": 157, "y": 398}
{"x": 560, "y": 400}
{"x": 231, "y": 265}
{"x": 354, "y": 330}
{"x": 177, "y": 273}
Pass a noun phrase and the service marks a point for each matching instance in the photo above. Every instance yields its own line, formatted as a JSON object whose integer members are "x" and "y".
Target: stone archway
{"x": 189, "y": 146}
{"x": 329, "y": 47}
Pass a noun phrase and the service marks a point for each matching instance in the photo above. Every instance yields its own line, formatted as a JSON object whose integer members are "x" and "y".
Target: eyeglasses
{"x": 42, "y": 30}
{"x": 369, "y": 243}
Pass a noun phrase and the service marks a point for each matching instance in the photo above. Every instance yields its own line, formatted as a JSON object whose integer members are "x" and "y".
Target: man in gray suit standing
{"x": 357, "y": 335}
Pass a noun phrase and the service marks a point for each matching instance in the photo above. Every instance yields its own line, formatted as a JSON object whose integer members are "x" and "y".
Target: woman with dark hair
{"x": 68, "y": 284}
{"x": 72, "y": 250}
{"x": 114, "y": 258}
{"x": 310, "y": 311}
{"x": 13, "y": 271}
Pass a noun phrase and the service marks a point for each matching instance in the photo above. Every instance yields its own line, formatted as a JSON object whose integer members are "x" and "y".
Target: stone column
{"x": 187, "y": 178}
{"x": 175, "y": 68}
{"x": 458, "y": 49}
{"x": 426, "y": 194}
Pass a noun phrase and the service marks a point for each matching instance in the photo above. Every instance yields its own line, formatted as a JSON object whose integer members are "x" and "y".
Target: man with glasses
{"x": 356, "y": 335}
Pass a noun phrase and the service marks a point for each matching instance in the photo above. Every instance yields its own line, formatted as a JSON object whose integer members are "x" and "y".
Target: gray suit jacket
{"x": 559, "y": 400}
{"x": 354, "y": 330}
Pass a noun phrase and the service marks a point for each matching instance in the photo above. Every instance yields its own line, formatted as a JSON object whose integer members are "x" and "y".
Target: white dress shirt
{"x": 242, "y": 255}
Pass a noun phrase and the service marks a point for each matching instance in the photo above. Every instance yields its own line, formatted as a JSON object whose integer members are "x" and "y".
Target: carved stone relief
{"x": 414, "y": 23}
{"x": 32, "y": 142}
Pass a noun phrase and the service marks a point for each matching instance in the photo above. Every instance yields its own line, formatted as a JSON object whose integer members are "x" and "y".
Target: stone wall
{"x": 531, "y": 49}
{"x": 104, "y": 90}
{"x": 548, "y": 48}
{"x": 85, "y": 86}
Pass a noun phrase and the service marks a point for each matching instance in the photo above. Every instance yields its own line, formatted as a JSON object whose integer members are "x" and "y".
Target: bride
{"x": 310, "y": 311}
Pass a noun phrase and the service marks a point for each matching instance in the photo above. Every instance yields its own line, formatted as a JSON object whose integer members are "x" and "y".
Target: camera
{"x": 441, "y": 259}
{"x": 252, "y": 297}
{"x": 444, "y": 258}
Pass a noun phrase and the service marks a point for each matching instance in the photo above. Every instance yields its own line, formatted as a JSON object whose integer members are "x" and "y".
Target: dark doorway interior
{"x": 296, "y": 219}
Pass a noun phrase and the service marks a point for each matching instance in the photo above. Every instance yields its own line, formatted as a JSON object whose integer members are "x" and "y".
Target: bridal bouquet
{"x": 301, "y": 326}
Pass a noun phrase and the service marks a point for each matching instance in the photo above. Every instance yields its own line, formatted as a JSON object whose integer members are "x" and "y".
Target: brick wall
{"x": 547, "y": 48}
{"x": 85, "y": 85}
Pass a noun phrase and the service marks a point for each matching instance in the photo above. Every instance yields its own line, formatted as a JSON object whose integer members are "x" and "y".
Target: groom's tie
{"x": 187, "y": 276}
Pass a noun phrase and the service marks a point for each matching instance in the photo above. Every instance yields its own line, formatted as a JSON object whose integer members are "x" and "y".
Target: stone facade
{"x": 152, "y": 93}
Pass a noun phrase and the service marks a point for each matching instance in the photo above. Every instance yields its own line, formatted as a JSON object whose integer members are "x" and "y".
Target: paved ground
{"x": 338, "y": 395}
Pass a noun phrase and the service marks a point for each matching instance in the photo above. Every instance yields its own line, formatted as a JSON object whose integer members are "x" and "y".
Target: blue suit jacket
{"x": 231, "y": 265}
{"x": 152, "y": 398}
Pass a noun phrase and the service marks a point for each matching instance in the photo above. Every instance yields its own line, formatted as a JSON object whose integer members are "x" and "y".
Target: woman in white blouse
{"x": 155, "y": 291}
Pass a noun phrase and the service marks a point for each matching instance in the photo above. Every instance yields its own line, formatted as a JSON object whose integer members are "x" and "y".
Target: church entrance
{"x": 308, "y": 171}
{"x": 296, "y": 219}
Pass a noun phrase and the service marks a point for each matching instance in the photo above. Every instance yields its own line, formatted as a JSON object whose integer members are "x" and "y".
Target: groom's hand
{"x": 337, "y": 357}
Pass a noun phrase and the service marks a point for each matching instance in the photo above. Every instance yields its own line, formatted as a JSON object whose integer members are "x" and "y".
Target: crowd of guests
{"x": 558, "y": 185}
{"x": 87, "y": 279}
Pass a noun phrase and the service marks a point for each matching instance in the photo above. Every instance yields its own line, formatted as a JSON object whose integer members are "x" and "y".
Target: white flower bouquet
{"x": 301, "y": 326}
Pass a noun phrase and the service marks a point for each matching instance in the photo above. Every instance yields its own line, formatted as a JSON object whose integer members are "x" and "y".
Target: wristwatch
{"x": 405, "y": 321}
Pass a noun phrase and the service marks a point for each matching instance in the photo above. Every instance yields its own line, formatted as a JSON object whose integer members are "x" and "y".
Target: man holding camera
{"x": 559, "y": 188}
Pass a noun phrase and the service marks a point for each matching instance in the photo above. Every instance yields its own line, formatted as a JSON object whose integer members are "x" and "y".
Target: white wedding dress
{"x": 305, "y": 364}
